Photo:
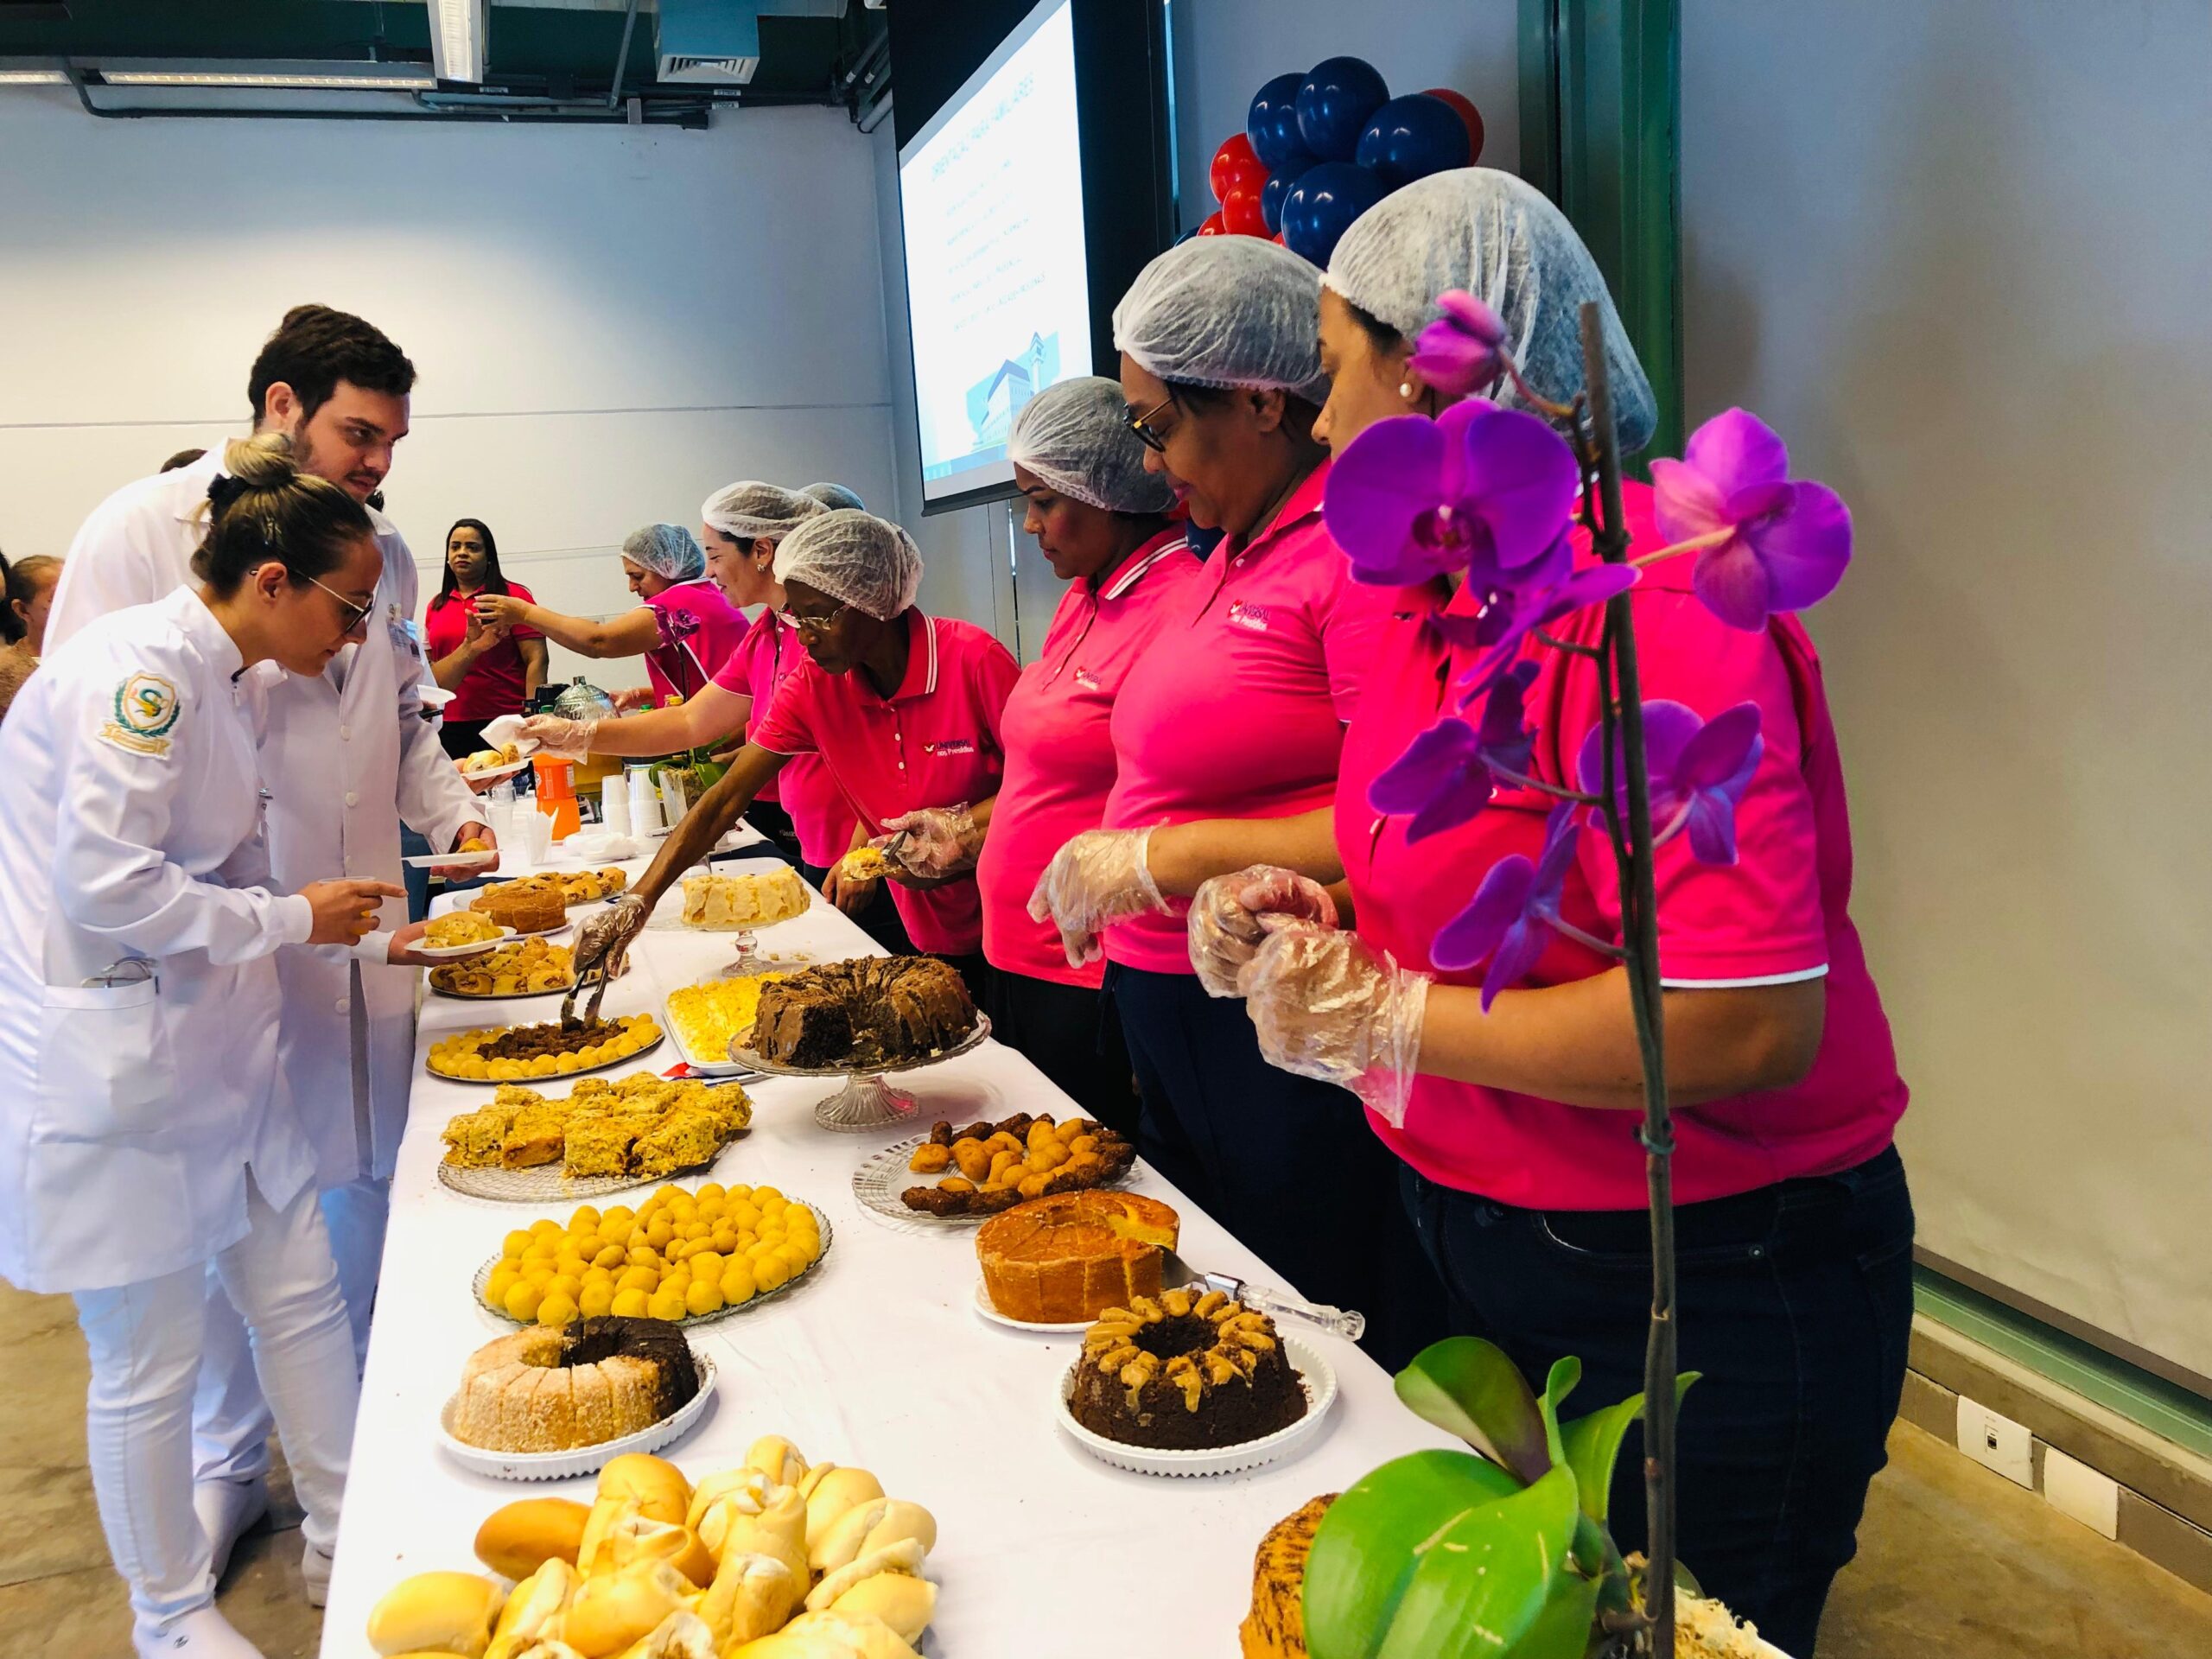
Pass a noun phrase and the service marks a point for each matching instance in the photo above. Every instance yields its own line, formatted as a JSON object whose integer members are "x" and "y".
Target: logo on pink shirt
{"x": 1246, "y": 616}
{"x": 1088, "y": 681}
{"x": 950, "y": 746}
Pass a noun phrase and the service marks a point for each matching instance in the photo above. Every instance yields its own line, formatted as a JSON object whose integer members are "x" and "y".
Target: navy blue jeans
{"x": 1795, "y": 1300}
{"x": 1287, "y": 1163}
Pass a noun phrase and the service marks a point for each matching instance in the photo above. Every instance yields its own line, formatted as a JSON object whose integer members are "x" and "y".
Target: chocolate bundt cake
{"x": 871, "y": 1011}
{"x": 1185, "y": 1373}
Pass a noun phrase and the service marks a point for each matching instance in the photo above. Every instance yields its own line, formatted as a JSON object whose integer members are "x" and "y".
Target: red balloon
{"x": 1470, "y": 117}
{"x": 1236, "y": 167}
{"x": 1277, "y": 239}
{"x": 1241, "y": 214}
{"x": 1211, "y": 225}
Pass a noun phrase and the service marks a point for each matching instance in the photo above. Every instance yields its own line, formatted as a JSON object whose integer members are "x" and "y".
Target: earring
{"x": 1406, "y": 389}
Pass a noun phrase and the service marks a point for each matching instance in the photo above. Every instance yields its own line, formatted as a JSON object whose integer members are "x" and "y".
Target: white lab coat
{"x": 132, "y": 826}
{"x": 348, "y": 756}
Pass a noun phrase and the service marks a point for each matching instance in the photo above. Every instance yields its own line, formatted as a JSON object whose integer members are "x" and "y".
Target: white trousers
{"x": 230, "y": 1417}
{"x": 145, "y": 1341}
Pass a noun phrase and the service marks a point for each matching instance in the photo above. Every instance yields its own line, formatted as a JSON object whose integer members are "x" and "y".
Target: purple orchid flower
{"x": 1792, "y": 541}
{"x": 1444, "y": 777}
{"x": 1511, "y": 613}
{"x": 1509, "y": 920}
{"x": 1411, "y": 499}
{"x": 1699, "y": 770}
{"x": 1462, "y": 351}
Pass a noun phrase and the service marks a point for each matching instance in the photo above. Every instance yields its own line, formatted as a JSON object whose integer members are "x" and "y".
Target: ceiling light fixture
{"x": 457, "y": 31}
{"x": 331, "y": 77}
{"x": 32, "y": 77}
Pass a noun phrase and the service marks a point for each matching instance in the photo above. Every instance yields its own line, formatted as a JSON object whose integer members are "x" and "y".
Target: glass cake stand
{"x": 866, "y": 1102}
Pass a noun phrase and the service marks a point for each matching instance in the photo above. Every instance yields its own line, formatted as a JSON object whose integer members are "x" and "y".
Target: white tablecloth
{"x": 878, "y": 1359}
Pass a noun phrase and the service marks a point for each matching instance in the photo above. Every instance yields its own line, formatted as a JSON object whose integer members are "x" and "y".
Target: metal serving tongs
{"x": 1348, "y": 1323}
{"x": 609, "y": 966}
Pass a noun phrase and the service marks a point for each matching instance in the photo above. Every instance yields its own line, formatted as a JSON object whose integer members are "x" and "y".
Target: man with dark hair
{"x": 346, "y": 757}
{"x": 182, "y": 458}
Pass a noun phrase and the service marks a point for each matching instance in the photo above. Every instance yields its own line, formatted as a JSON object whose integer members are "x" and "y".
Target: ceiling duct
{"x": 717, "y": 42}
{"x": 457, "y": 35}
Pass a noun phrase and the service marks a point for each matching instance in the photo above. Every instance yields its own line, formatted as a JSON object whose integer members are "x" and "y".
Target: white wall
{"x": 608, "y": 323}
{"x": 1959, "y": 254}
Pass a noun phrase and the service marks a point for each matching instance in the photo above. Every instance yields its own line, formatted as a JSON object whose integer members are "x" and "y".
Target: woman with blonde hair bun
{"x": 146, "y": 1130}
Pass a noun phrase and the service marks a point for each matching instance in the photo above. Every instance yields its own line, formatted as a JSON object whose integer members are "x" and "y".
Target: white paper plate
{"x": 822, "y": 1225}
{"x": 484, "y": 860}
{"x": 985, "y": 1310}
{"x": 550, "y": 1184}
{"x": 879, "y": 1182}
{"x": 492, "y": 774}
{"x": 462, "y": 952}
{"x": 1314, "y": 1372}
{"x": 583, "y": 1459}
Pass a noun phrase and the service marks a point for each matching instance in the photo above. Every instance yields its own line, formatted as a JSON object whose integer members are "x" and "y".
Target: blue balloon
{"x": 1411, "y": 138}
{"x": 1277, "y": 187}
{"x": 1271, "y": 125}
{"x": 1336, "y": 101}
{"x": 1322, "y": 204}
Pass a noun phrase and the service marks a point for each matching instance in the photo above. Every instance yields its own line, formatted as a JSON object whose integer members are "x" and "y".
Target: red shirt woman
{"x": 491, "y": 670}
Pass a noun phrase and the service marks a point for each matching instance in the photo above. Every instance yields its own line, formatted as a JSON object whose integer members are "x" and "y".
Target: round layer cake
{"x": 596, "y": 1380}
{"x": 871, "y": 1011}
{"x": 1072, "y": 1256}
{"x": 738, "y": 902}
{"x": 1275, "y": 1628}
{"x": 1185, "y": 1373}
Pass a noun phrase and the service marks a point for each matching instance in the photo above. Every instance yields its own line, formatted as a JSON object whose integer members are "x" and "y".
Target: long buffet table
{"x": 879, "y": 1359}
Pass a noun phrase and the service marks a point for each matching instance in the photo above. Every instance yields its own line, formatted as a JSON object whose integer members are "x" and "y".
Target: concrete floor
{"x": 1954, "y": 1560}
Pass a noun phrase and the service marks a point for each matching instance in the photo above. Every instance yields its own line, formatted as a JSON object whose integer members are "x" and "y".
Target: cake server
{"x": 1345, "y": 1322}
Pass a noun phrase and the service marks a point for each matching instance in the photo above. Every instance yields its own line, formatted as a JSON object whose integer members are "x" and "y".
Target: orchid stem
{"x": 1559, "y": 924}
{"x": 1555, "y": 791}
{"x": 1537, "y": 401}
{"x": 1566, "y": 646}
{"x": 1711, "y": 539}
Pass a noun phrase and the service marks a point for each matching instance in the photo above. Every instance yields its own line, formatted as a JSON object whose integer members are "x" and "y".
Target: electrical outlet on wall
{"x": 2078, "y": 1491}
{"x": 1995, "y": 1441}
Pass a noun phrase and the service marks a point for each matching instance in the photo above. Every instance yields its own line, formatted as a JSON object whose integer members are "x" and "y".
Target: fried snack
{"x": 460, "y": 927}
{"x": 1000, "y": 1164}
{"x": 469, "y": 1057}
{"x": 519, "y": 968}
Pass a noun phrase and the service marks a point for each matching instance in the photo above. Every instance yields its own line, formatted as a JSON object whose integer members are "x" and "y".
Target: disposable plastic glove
{"x": 1099, "y": 876}
{"x": 602, "y": 943}
{"x": 556, "y": 735}
{"x": 1328, "y": 1005}
{"x": 1230, "y": 919}
{"x": 939, "y": 841}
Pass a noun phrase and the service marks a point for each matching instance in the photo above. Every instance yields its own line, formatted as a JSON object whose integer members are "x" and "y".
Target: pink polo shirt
{"x": 1237, "y": 711}
{"x": 699, "y": 627}
{"x": 935, "y": 741}
{"x": 1060, "y": 753}
{"x": 1781, "y": 912}
{"x": 769, "y": 654}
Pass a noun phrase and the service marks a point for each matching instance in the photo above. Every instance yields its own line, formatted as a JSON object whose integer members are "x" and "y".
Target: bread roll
{"x": 841, "y": 1544}
{"x": 532, "y": 1607}
{"x": 902, "y": 1520}
{"x": 658, "y": 1486}
{"x": 517, "y": 1539}
{"x": 829, "y": 1636}
{"x": 610, "y": 1613}
{"x": 834, "y": 1494}
{"x": 680, "y": 1635}
{"x": 751, "y": 1596}
{"x": 778, "y": 1458}
{"x": 907, "y": 1604}
{"x": 711, "y": 1490}
{"x": 436, "y": 1613}
{"x": 906, "y": 1557}
{"x": 636, "y": 1538}
{"x": 778, "y": 1531}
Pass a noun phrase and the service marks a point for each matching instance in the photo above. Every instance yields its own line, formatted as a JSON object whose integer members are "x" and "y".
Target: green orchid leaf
{"x": 1563, "y": 1630}
{"x": 1565, "y": 1374}
{"x": 1468, "y": 1387}
{"x": 1364, "y": 1550}
{"x": 1593, "y": 1444}
{"x": 1483, "y": 1582}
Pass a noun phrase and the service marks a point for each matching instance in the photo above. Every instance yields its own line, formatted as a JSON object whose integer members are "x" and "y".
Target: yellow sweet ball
{"x": 545, "y": 1066}
{"x": 669, "y": 1191}
{"x": 642, "y": 1256}
{"x": 724, "y": 1237}
{"x": 683, "y": 1207}
{"x": 546, "y": 1227}
{"x": 566, "y": 1285}
{"x": 744, "y": 1212}
{"x": 539, "y": 1274}
{"x": 572, "y": 1267}
{"x": 705, "y": 1296}
{"x": 737, "y": 1192}
{"x": 795, "y": 1261}
{"x": 587, "y": 1243}
{"x": 765, "y": 1196}
{"x": 516, "y": 1242}
{"x": 771, "y": 1271}
{"x": 618, "y": 1212}
{"x": 800, "y": 1249}
{"x": 523, "y": 1300}
{"x": 507, "y": 1071}
{"x": 611, "y": 1256}
{"x": 616, "y": 1229}
{"x": 705, "y": 1264}
{"x": 659, "y": 1233}
{"x": 665, "y": 1305}
{"x": 629, "y": 1303}
{"x": 710, "y": 1211}
{"x": 502, "y": 1280}
{"x": 713, "y": 1189}
{"x": 596, "y": 1299}
{"x": 645, "y": 1279}
{"x": 587, "y": 1218}
{"x": 557, "y": 1310}
{"x": 694, "y": 1230}
{"x": 737, "y": 1284}
{"x": 597, "y": 1276}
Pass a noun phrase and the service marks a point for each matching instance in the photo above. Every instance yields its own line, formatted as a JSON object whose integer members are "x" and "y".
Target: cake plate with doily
{"x": 866, "y": 1102}
{"x": 821, "y": 1226}
{"x": 550, "y": 1184}
{"x": 1315, "y": 1376}
{"x": 879, "y": 1182}
{"x": 581, "y": 1459}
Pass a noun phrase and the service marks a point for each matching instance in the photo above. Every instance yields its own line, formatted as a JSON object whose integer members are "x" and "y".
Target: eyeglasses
{"x": 814, "y": 625}
{"x": 1149, "y": 436}
{"x": 354, "y": 614}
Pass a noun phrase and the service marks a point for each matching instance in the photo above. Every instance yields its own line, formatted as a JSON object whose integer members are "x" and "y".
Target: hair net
{"x": 751, "y": 510}
{"x": 1076, "y": 437}
{"x": 833, "y": 496}
{"x": 1502, "y": 241}
{"x": 1226, "y": 311}
{"x": 872, "y": 565}
{"x": 668, "y": 552}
